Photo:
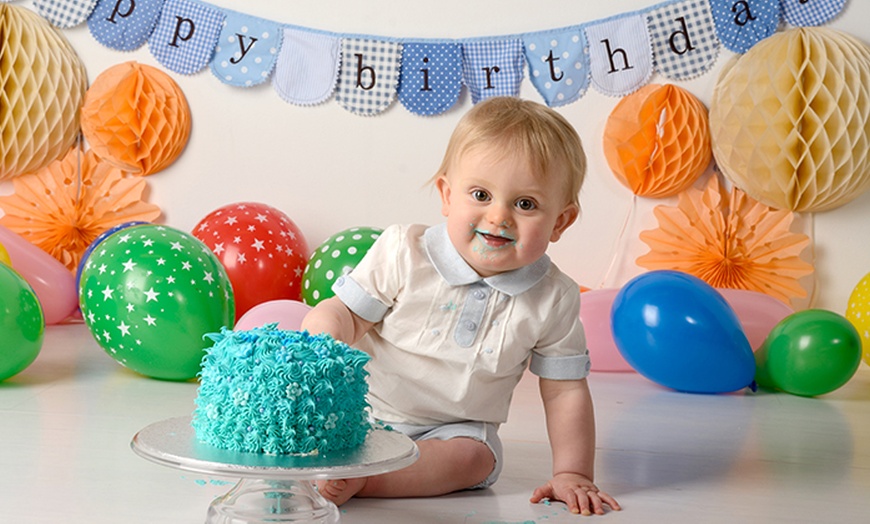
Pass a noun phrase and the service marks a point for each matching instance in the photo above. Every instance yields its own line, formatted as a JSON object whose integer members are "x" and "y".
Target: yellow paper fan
{"x": 728, "y": 240}
{"x": 42, "y": 85}
{"x": 790, "y": 119}
{"x": 69, "y": 203}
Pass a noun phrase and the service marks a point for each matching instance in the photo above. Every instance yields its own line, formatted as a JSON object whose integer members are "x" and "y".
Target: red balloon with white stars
{"x": 262, "y": 250}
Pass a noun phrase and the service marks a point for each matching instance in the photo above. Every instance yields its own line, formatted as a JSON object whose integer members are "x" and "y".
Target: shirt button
{"x": 339, "y": 282}
{"x": 470, "y": 326}
{"x": 436, "y": 332}
{"x": 479, "y": 295}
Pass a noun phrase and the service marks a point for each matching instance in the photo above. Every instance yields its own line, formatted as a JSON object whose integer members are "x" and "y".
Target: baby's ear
{"x": 564, "y": 221}
{"x": 443, "y": 186}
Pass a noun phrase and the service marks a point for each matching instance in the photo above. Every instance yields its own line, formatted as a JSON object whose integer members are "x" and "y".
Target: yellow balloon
{"x": 4, "y": 256}
{"x": 858, "y": 313}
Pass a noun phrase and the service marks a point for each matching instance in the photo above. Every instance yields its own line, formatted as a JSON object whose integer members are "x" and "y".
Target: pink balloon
{"x": 287, "y": 313}
{"x": 54, "y": 284}
{"x": 758, "y": 313}
{"x": 595, "y": 308}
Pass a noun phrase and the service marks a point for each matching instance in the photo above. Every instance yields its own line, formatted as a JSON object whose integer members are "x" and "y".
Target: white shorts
{"x": 481, "y": 431}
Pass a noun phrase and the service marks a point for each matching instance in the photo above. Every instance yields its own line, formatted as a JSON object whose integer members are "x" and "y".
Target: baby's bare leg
{"x": 444, "y": 466}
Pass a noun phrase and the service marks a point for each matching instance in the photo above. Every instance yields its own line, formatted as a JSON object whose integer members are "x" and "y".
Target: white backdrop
{"x": 329, "y": 169}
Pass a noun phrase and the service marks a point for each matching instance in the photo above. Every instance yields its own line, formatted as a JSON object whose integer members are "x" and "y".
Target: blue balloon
{"x": 678, "y": 331}
{"x": 93, "y": 245}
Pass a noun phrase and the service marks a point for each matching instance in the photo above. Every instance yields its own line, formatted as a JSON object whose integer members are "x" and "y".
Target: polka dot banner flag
{"x": 337, "y": 256}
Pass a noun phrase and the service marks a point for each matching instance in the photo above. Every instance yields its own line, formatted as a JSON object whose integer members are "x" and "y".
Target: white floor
{"x": 67, "y": 422}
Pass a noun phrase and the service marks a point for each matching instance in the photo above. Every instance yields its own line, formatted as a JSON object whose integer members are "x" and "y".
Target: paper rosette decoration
{"x": 789, "y": 120}
{"x": 65, "y": 206}
{"x": 42, "y": 85}
{"x": 136, "y": 118}
{"x": 730, "y": 241}
{"x": 657, "y": 141}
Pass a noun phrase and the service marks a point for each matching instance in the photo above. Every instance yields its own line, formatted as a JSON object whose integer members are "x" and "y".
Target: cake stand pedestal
{"x": 272, "y": 488}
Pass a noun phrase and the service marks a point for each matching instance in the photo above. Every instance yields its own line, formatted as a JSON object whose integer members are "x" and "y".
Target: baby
{"x": 454, "y": 313}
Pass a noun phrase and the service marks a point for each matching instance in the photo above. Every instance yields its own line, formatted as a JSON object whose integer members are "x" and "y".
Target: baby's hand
{"x": 578, "y": 492}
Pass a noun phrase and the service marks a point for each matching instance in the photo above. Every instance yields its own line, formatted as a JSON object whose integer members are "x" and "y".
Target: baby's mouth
{"x": 494, "y": 241}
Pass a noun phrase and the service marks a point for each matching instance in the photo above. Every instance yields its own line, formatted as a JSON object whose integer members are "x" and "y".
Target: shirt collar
{"x": 456, "y": 271}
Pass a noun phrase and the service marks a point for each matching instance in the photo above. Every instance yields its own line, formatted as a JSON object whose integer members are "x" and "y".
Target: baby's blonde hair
{"x": 525, "y": 128}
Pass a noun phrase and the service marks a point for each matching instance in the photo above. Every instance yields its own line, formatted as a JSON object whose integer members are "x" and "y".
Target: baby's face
{"x": 500, "y": 216}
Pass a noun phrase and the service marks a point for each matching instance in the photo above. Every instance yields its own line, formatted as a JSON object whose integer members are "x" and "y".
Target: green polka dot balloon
{"x": 149, "y": 294}
{"x": 337, "y": 256}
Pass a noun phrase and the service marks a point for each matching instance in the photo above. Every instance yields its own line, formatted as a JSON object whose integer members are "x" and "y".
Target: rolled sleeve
{"x": 571, "y": 367}
{"x": 358, "y": 300}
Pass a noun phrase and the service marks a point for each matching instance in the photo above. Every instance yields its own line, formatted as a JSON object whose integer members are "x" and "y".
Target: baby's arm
{"x": 333, "y": 317}
{"x": 571, "y": 427}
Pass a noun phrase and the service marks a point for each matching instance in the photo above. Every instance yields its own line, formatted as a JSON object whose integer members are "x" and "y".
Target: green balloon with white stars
{"x": 335, "y": 257}
{"x": 149, "y": 294}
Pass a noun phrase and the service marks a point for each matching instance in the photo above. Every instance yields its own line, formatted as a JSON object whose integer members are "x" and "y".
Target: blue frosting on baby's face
{"x": 276, "y": 391}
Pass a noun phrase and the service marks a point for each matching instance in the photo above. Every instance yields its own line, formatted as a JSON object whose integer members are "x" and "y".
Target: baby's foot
{"x": 340, "y": 491}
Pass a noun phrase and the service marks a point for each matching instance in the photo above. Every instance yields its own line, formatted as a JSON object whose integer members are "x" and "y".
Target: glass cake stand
{"x": 272, "y": 488}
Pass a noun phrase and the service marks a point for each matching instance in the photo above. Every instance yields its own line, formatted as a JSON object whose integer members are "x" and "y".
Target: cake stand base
{"x": 272, "y": 501}
{"x": 273, "y": 488}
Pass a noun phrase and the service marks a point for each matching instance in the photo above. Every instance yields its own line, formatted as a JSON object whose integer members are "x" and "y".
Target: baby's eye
{"x": 480, "y": 195}
{"x": 526, "y": 204}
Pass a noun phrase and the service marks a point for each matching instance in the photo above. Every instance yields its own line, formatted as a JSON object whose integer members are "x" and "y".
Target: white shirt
{"x": 449, "y": 345}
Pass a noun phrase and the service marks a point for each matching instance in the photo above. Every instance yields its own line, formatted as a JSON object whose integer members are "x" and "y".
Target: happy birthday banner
{"x": 679, "y": 39}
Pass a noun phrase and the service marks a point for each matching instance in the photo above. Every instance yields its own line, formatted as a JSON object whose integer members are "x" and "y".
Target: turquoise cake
{"x": 268, "y": 390}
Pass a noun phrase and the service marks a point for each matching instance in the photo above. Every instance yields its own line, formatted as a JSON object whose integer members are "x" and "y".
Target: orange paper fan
{"x": 657, "y": 141}
{"x": 66, "y": 205}
{"x": 729, "y": 240}
{"x": 136, "y": 118}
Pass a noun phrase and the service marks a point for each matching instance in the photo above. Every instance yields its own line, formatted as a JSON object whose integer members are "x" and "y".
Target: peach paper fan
{"x": 729, "y": 240}
{"x": 65, "y": 206}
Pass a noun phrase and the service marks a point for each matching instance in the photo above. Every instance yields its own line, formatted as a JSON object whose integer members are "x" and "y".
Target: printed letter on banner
{"x": 185, "y": 36}
{"x": 307, "y": 68}
{"x": 804, "y": 13}
{"x": 620, "y": 55}
{"x": 247, "y": 50}
{"x": 558, "y": 65}
{"x": 369, "y": 75}
{"x": 124, "y": 25}
{"x": 431, "y": 78}
{"x": 65, "y": 13}
{"x": 684, "y": 41}
{"x": 742, "y": 24}
{"x": 492, "y": 68}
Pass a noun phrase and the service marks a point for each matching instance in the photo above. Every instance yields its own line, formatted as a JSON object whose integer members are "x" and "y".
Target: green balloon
{"x": 337, "y": 256}
{"x": 149, "y": 294}
{"x": 809, "y": 353}
{"x": 22, "y": 323}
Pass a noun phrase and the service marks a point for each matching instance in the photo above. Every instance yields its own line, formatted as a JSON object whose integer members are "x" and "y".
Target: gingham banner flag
{"x": 621, "y": 55}
{"x": 185, "y": 36}
{"x": 369, "y": 75}
{"x": 65, "y": 13}
{"x": 683, "y": 39}
{"x": 124, "y": 25}
{"x": 307, "y": 68}
{"x": 492, "y": 68}
{"x": 431, "y": 78}
{"x": 803, "y": 13}
{"x": 558, "y": 65}
{"x": 247, "y": 50}
{"x": 741, "y": 25}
